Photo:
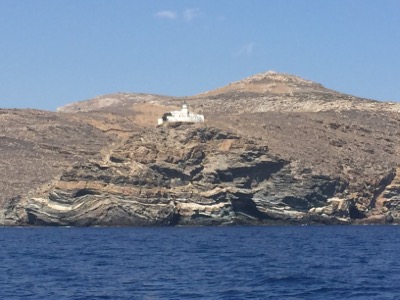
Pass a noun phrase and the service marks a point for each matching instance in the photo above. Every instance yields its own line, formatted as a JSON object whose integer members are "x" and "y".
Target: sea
{"x": 274, "y": 262}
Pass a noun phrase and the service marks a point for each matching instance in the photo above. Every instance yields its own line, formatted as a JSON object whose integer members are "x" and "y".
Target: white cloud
{"x": 166, "y": 14}
{"x": 191, "y": 13}
{"x": 188, "y": 14}
{"x": 246, "y": 49}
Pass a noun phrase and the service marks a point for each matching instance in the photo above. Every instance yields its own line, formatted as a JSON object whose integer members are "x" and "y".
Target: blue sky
{"x": 53, "y": 52}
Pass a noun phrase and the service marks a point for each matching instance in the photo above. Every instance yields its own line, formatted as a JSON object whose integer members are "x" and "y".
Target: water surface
{"x": 327, "y": 262}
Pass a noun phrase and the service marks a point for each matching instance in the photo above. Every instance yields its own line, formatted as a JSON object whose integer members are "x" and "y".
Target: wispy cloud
{"x": 188, "y": 14}
{"x": 191, "y": 13}
{"x": 246, "y": 49}
{"x": 166, "y": 14}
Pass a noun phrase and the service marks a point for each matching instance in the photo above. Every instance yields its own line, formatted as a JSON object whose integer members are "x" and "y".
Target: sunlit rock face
{"x": 274, "y": 149}
{"x": 184, "y": 175}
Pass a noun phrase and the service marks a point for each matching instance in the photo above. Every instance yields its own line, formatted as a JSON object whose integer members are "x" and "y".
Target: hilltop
{"x": 270, "y": 83}
{"x": 337, "y": 156}
{"x": 269, "y": 91}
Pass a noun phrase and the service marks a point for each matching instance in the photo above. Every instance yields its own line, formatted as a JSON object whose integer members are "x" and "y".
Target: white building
{"x": 183, "y": 115}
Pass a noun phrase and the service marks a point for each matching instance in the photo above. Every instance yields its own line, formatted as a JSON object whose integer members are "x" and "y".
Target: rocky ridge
{"x": 110, "y": 103}
{"x": 270, "y": 83}
{"x": 264, "y": 92}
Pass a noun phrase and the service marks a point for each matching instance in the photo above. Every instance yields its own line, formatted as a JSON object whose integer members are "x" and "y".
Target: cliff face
{"x": 181, "y": 175}
{"x": 275, "y": 149}
{"x": 36, "y": 146}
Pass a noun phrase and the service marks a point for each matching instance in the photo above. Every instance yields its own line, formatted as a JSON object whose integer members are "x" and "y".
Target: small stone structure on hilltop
{"x": 183, "y": 115}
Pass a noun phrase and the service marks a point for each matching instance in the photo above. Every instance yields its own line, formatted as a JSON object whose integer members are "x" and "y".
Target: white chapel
{"x": 183, "y": 115}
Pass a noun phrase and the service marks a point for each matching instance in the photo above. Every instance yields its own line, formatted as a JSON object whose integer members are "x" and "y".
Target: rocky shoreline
{"x": 275, "y": 149}
{"x": 192, "y": 175}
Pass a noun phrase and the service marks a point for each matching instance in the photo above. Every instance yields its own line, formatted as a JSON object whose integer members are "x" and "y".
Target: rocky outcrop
{"x": 385, "y": 206}
{"x": 36, "y": 146}
{"x": 187, "y": 175}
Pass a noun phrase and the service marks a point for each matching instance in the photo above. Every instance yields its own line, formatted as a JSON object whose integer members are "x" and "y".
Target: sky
{"x": 54, "y": 52}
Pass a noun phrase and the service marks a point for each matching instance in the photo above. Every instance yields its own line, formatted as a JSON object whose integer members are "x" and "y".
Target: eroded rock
{"x": 183, "y": 175}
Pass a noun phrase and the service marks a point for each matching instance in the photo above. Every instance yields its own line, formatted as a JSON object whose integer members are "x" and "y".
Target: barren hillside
{"x": 317, "y": 132}
{"x": 301, "y": 120}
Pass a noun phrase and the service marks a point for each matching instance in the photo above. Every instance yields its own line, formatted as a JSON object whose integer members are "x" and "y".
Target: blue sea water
{"x": 310, "y": 262}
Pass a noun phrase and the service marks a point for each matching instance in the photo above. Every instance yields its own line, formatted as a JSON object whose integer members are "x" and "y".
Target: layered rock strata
{"x": 183, "y": 175}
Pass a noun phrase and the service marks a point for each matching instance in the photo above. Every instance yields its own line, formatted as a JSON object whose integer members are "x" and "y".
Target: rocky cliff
{"x": 181, "y": 175}
{"x": 275, "y": 149}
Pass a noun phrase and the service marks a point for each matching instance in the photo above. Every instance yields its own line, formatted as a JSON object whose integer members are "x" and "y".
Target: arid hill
{"x": 332, "y": 158}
